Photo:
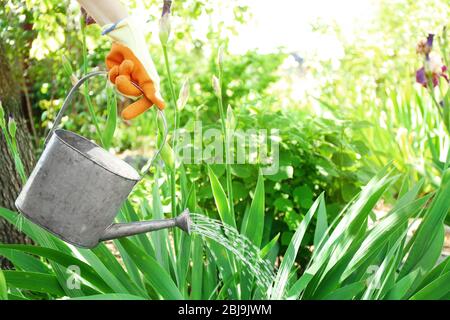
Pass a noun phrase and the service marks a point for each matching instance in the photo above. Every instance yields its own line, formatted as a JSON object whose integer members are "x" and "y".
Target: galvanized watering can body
{"x": 77, "y": 188}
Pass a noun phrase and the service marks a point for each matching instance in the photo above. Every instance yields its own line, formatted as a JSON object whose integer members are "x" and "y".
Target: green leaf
{"x": 64, "y": 260}
{"x": 111, "y": 119}
{"x": 225, "y": 263}
{"x": 160, "y": 238}
{"x": 437, "y": 289}
{"x": 283, "y": 173}
{"x": 320, "y": 234}
{"x": 283, "y": 205}
{"x": 349, "y": 227}
{"x": 255, "y": 223}
{"x": 110, "y": 296}
{"x": 384, "y": 275}
{"x": 432, "y": 224}
{"x": 296, "y": 289}
{"x": 183, "y": 258}
{"x": 265, "y": 251}
{"x": 281, "y": 279}
{"x": 440, "y": 269}
{"x": 3, "y": 287}
{"x": 155, "y": 275}
{"x": 197, "y": 268}
{"x": 221, "y": 199}
{"x": 103, "y": 269}
{"x": 304, "y": 196}
{"x": 24, "y": 262}
{"x": 40, "y": 282}
{"x": 342, "y": 159}
{"x": 135, "y": 277}
{"x": 379, "y": 235}
{"x": 401, "y": 287}
{"x": 347, "y": 292}
{"x": 45, "y": 239}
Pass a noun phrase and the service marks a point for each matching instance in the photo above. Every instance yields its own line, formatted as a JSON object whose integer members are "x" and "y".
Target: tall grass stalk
{"x": 225, "y": 134}
{"x": 9, "y": 132}
{"x": 173, "y": 99}
{"x": 85, "y": 86}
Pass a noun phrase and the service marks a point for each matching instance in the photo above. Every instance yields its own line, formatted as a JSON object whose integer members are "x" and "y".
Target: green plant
{"x": 316, "y": 215}
{"x": 375, "y": 81}
{"x": 356, "y": 261}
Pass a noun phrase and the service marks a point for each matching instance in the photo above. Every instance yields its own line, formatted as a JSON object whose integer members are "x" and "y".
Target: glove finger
{"x": 124, "y": 86}
{"x": 136, "y": 108}
{"x": 126, "y": 67}
{"x": 113, "y": 73}
{"x": 151, "y": 93}
{"x": 114, "y": 57}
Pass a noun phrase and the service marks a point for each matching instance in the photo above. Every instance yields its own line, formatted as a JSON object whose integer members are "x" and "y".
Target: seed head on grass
{"x": 219, "y": 60}
{"x": 216, "y": 86}
{"x": 164, "y": 28}
{"x": 12, "y": 126}
{"x": 184, "y": 95}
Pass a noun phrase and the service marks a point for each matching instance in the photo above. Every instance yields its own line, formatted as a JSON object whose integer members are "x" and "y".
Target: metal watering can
{"x": 77, "y": 188}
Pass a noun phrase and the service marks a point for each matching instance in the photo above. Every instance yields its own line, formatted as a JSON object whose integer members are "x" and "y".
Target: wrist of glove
{"x": 131, "y": 69}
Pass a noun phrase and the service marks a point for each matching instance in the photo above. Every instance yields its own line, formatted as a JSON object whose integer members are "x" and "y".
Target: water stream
{"x": 241, "y": 247}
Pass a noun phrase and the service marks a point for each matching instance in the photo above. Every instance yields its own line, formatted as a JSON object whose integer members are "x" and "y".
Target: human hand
{"x": 131, "y": 69}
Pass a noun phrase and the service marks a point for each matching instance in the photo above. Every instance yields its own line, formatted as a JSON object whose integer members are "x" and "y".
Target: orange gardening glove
{"x": 131, "y": 68}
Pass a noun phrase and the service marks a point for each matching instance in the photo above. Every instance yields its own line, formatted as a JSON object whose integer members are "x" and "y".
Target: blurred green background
{"x": 337, "y": 78}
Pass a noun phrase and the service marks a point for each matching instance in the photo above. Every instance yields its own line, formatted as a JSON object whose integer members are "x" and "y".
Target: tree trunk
{"x": 10, "y": 182}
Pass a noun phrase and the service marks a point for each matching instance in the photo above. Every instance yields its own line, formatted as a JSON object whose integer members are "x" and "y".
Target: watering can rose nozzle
{"x": 183, "y": 221}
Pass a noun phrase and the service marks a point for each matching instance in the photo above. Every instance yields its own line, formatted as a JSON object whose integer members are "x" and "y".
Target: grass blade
{"x": 111, "y": 120}
{"x": 24, "y": 262}
{"x": 3, "y": 287}
{"x": 265, "y": 251}
{"x": 110, "y": 296}
{"x": 40, "y": 282}
{"x": 255, "y": 224}
{"x": 347, "y": 292}
{"x": 321, "y": 225}
{"x": 221, "y": 200}
{"x": 154, "y": 273}
{"x": 379, "y": 235}
{"x": 64, "y": 260}
{"x": 281, "y": 279}
{"x": 432, "y": 224}
{"x": 437, "y": 289}
{"x": 400, "y": 289}
{"x": 197, "y": 268}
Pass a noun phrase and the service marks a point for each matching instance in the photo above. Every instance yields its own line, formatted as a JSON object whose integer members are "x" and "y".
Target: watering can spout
{"x": 119, "y": 230}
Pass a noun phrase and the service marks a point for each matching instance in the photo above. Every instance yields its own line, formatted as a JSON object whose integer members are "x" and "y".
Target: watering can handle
{"x": 69, "y": 98}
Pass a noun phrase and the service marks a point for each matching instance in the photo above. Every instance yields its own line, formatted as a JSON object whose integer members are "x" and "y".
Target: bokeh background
{"x": 337, "y": 78}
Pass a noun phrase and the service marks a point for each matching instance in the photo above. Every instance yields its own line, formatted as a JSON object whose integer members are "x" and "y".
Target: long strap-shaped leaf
{"x": 64, "y": 260}
{"x": 434, "y": 290}
{"x": 281, "y": 279}
{"x": 255, "y": 224}
{"x": 3, "y": 287}
{"x": 431, "y": 225}
{"x": 45, "y": 239}
{"x": 221, "y": 200}
{"x": 155, "y": 275}
{"x": 40, "y": 282}
{"x": 110, "y": 296}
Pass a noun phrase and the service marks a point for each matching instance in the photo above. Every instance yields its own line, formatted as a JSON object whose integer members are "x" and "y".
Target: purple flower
{"x": 425, "y": 45}
{"x": 433, "y": 68}
{"x": 421, "y": 76}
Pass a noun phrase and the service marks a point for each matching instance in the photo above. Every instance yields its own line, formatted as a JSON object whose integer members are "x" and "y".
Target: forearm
{"x": 104, "y": 11}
